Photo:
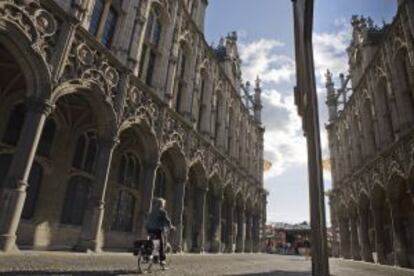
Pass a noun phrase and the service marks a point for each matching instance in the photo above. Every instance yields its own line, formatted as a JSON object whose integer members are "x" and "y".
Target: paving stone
{"x": 111, "y": 264}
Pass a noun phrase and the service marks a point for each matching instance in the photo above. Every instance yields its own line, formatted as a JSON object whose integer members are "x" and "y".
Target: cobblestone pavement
{"x": 58, "y": 263}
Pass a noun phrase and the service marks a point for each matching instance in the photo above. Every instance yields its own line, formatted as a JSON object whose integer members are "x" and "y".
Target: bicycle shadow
{"x": 70, "y": 273}
{"x": 276, "y": 273}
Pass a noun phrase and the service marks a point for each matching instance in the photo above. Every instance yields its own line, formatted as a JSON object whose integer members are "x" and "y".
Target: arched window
{"x": 85, "y": 152}
{"x": 180, "y": 83}
{"x": 35, "y": 179}
{"x": 230, "y": 130}
{"x": 124, "y": 212}
{"x": 218, "y": 102}
{"x": 201, "y": 109}
{"x": 76, "y": 200}
{"x": 384, "y": 113}
{"x": 194, "y": 8}
{"x": 14, "y": 125}
{"x": 160, "y": 184}
{"x": 46, "y": 140}
{"x": 151, "y": 47}
{"x": 404, "y": 91}
{"x": 5, "y": 161}
{"x": 129, "y": 171}
{"x": 104, "y": 19}
{"x": 369, "y": 134}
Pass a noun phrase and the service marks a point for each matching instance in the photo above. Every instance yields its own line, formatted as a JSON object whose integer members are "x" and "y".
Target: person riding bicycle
{"x": 156, "y": 223}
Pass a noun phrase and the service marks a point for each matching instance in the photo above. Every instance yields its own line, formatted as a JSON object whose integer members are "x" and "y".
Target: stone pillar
{"x": 14, "y": 189}
{"x": 147, "y": 191}
{"x": 400, "y": 241}
{"x": 200, "y": 202}
{"x": 355, "y": 249}
{"x": 90, "y": 237}
{"x": 229, "y": 226}
{"x": 216, "y": 227}
{"x": 177, "y": 218}
{"x": 241, "y": 229}
{"x": 345, "y": 238}
{"x": 256, "y": 233}
{"x": 378, "y": 212}
{"x": 366, "y": 251}
{"x": 248, "y": 247}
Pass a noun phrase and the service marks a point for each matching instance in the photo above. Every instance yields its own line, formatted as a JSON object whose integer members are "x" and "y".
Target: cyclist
{"x": 157, "y": 222}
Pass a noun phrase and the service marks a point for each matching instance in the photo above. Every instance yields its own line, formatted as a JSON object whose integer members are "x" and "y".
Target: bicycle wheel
{"x": 168, "y": 254}
{"x": 144, "y": 263}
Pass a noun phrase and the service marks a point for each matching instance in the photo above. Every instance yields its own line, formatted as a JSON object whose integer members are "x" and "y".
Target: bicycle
{"x": 147, "y": 252}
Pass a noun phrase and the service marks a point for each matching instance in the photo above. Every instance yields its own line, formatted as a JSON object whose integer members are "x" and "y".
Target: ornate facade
{"x": 108, "y": 103}
{"x": 371, "y": 140}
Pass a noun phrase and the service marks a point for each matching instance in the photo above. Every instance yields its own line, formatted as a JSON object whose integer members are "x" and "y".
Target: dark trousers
{"x": 158, "y": 234}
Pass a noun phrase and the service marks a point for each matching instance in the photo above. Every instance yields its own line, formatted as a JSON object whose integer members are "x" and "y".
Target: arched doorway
{"x": 130, "y": 185}
{"x": 14, "y": 80}
{"x": 194, "y": 210}
{"x": 401, "y": 214}
{"x": 383, "y": 226}
{"x": 171, "y": 180}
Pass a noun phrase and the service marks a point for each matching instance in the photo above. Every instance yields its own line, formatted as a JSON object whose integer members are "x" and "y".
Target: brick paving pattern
{"x": 58, "y": 263}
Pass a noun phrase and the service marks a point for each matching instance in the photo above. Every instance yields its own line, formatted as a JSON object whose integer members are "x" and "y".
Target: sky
{"x": 266, "y": 46}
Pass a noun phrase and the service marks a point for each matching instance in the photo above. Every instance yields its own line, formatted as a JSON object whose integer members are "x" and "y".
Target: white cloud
{"x": 284, "y": 143}
{"x": 260, "y": 58}
{"x": 330, "y": 50}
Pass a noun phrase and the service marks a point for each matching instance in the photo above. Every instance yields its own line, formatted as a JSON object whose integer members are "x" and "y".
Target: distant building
{"x": 279, "y": 235}
{"x": 371, "y": 140}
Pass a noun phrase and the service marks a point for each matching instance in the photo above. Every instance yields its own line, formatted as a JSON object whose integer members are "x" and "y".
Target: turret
{"x": 331, "y": 100}
{"x": 258, "y": 102}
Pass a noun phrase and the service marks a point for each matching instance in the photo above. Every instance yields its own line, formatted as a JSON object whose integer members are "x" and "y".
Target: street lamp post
{"x": 306, "y": 101}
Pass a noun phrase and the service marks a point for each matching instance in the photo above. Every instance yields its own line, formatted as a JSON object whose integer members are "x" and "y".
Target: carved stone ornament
{"x": 173, "y": 133}
{"x": 85, "y": 64}
{"x": 37, "y": 24}
{"x": 197, "y": 151}
{"x": 138, "y": 105}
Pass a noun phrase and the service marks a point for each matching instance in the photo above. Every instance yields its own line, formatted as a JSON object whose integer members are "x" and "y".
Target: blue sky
{"x": 266, "y": 47}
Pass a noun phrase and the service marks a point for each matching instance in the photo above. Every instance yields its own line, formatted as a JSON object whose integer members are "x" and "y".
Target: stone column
{"x": 177, "y": 218}
{"x": 248, "y": 246}
{"x": 200, "y": 197}
{"x": 400, "y": 241}
{"x": 378, "y": 212}
{"x": 216, "y": 227}
{"x": 366, "y": 251}
{"x": 355, "y": 249}
{"x": 147, "y": 191}
{"x": 241, "y": 229}
{"x": 90, "y": 236}
{"x": 229, "y": 226}
{"x": 14, "y": 189}
{"x": 256, "y": 233}
{"x": 345, "y": 238}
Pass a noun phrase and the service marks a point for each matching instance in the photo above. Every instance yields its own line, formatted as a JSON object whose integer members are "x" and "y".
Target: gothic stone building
{"x": 372, "y": 144}
{"x": 108, "y": 103}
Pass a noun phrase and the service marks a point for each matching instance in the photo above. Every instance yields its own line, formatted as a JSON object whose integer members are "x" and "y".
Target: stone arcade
{"x": 106, "y": 104}
{"x": 372, "y": 145}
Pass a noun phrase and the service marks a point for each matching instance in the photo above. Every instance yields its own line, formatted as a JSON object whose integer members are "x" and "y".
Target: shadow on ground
{"x": 75, "y": 273}
{"x": 276, "y": 273}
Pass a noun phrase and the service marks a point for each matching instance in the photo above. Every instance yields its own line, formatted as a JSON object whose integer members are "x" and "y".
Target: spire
{"x": 258, "y": 101}
{"x": 331, "y": 100}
